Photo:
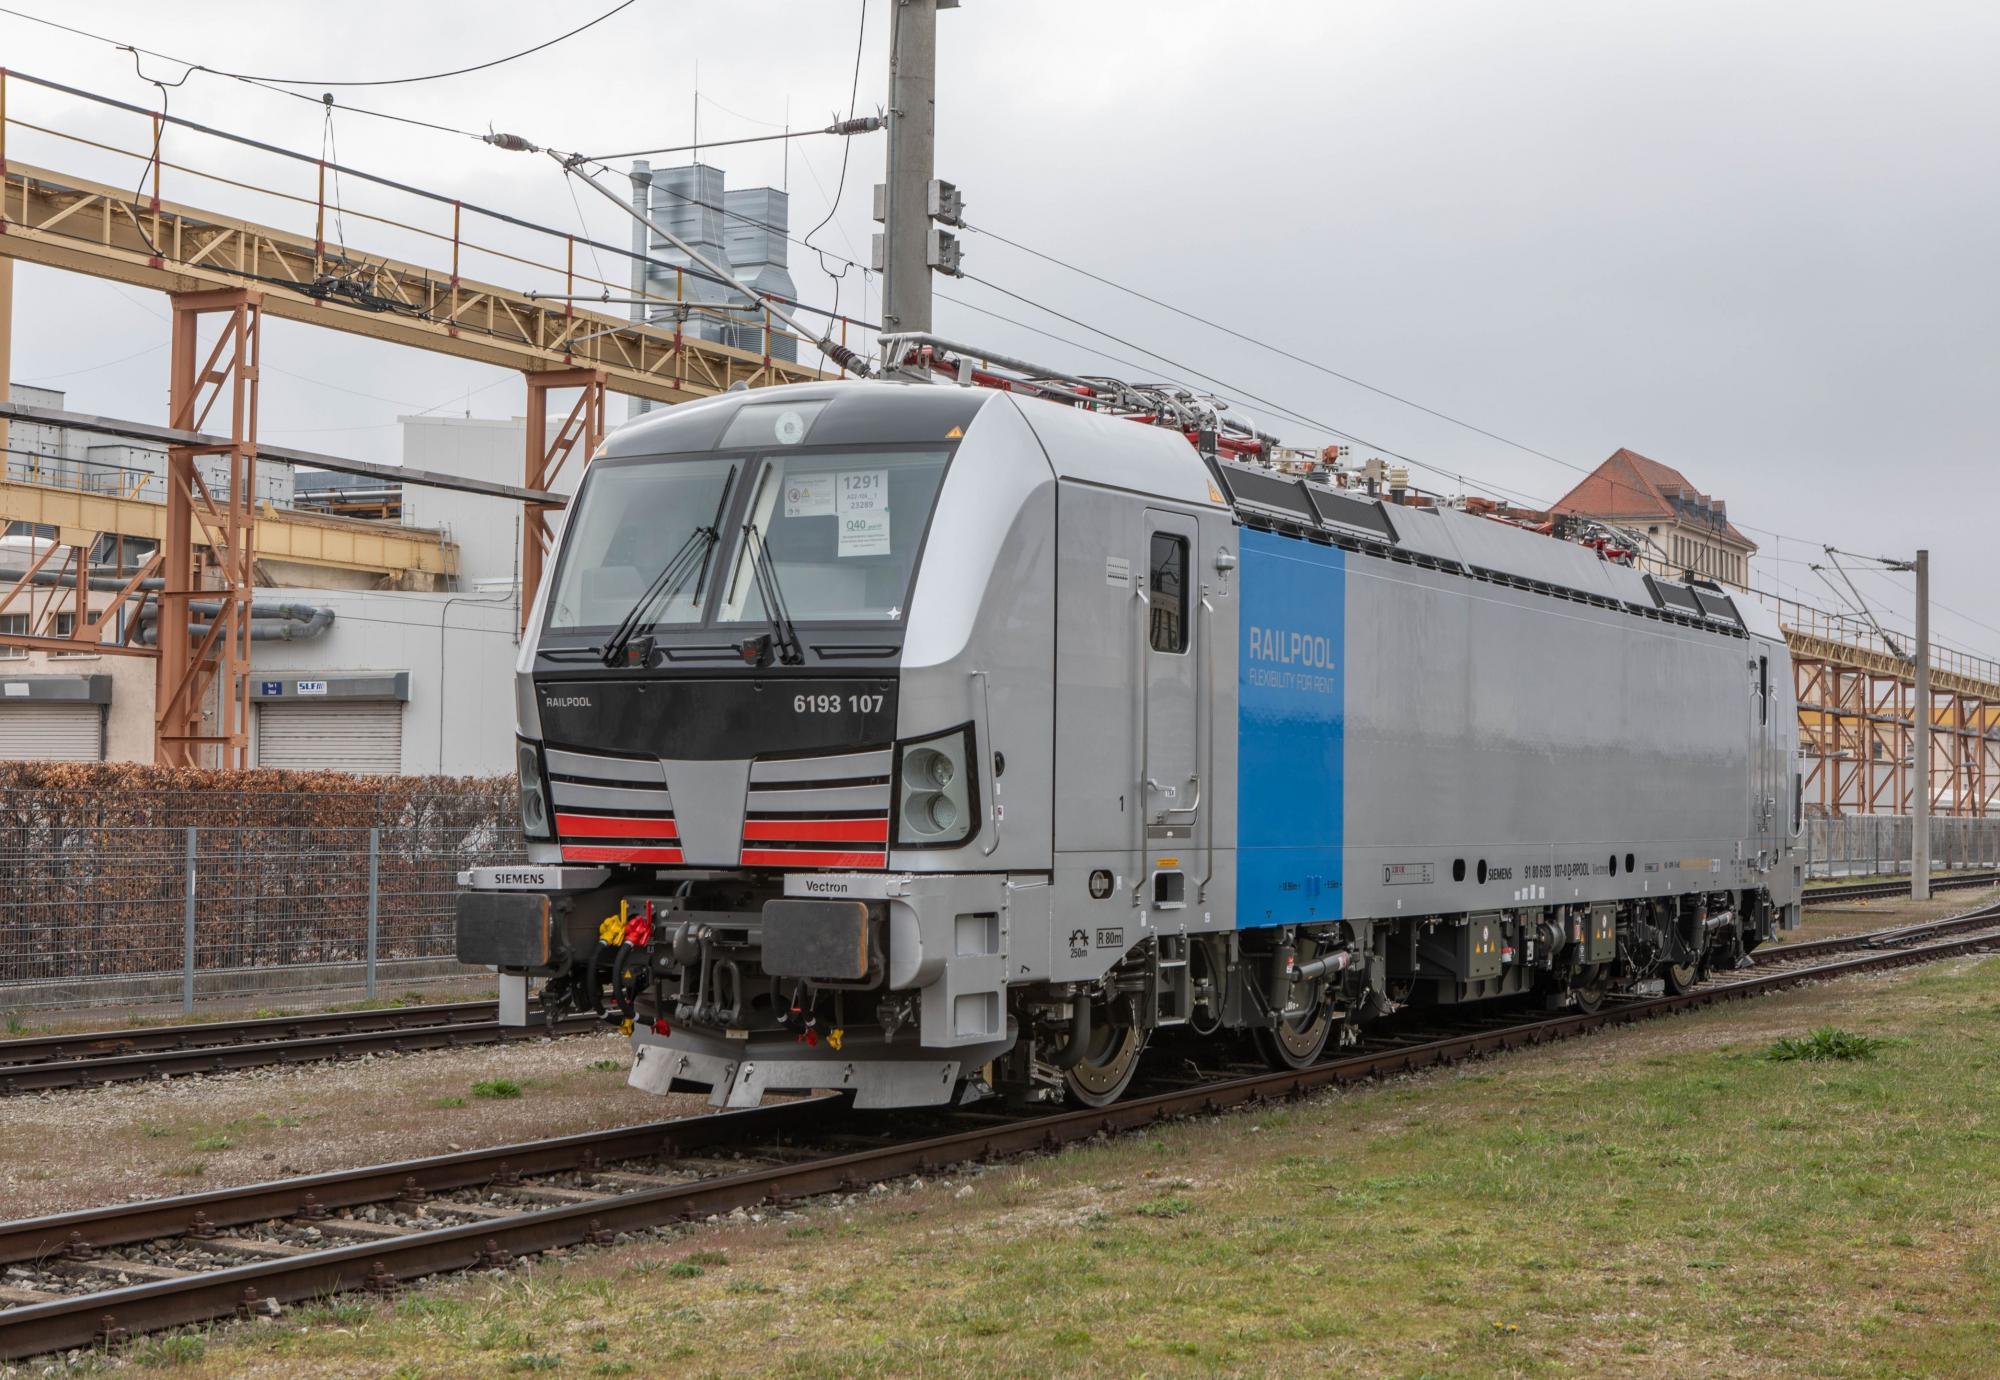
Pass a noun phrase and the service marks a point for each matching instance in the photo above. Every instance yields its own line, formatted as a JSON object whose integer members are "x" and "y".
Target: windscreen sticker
{"x": 809, "y": 495}
{"x": 863, "y": 491}
{"x": 865, "y": 534}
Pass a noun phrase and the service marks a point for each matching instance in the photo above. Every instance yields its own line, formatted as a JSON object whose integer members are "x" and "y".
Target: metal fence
{"x": 1879, "y": 845}
{"x": 131, "y": 915}
{"x": 127, "y": 915}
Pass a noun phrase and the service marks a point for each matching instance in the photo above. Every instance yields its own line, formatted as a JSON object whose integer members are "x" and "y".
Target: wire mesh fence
{"x": 99, "y": 915}
{"x": 1881, "y": 845}
{"x": 96, "y": 910}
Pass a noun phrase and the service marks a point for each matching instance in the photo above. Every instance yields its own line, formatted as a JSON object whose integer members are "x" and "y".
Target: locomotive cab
{"x": 790, "y": 668}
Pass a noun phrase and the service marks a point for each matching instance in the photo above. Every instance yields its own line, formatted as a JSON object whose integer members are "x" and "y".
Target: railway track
{"x": 43, "y": 1063}
{"x": 37, "y": 1063}
{"x": 1875, "y": 891}
{"x": 99, "y": 1276}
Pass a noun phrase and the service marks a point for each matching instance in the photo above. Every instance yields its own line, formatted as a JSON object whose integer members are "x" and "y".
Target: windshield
{"x": 842, "y": 529}
{"x": 625, "y": 527}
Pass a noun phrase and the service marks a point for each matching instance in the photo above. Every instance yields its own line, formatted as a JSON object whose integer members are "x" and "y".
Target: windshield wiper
{"x": 669, "y": 581}
{"x": 660, "y": 592}
{"x": 790, "y": 653}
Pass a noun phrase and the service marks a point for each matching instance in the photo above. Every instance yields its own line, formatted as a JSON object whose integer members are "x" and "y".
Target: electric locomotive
{"x": 930, "y": 740}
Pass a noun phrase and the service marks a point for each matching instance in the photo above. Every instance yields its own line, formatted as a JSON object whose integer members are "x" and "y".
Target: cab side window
{"x": 1167, "y": 571}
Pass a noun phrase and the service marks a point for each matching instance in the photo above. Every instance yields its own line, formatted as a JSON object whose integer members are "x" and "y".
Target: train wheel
{"x": 1588, "y": 993}
{"x": 1105, "y": 1071}
{"x": 1295, "y": 1043}
{"x": 1679, "y": 977}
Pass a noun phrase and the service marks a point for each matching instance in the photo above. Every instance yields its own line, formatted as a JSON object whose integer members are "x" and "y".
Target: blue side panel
{"x": 1292, "y": 698}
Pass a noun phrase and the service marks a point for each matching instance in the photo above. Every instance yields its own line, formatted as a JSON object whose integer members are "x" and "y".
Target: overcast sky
{"x": 1753, "y": 241}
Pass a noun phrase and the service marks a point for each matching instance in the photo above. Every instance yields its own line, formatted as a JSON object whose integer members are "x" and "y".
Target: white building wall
{"x": 487, "y": 530}
{"x": 457, "y": 648}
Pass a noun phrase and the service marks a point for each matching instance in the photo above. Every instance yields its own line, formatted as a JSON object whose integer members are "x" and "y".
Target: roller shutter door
{"x": 364, "y": 736}
{"x": 51, "y": 732}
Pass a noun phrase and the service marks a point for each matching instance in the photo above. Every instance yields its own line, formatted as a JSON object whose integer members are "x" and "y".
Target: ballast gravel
{"x": 89, "y": 1147}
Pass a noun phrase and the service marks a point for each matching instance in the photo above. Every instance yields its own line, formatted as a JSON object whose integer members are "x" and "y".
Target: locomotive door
{"x": 1763, "y": 770}
{"x": 1170, "y": 788}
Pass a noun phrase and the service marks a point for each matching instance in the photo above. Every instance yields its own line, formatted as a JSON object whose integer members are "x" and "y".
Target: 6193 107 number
{"x": 835, "y": 704}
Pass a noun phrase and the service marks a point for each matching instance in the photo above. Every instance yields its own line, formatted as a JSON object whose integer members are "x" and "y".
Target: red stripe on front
{"x": 817, "y": 830}
{"x": 616, "y": 827}
{"x": 799, "y": 857}
{"x": 620, "y": 854}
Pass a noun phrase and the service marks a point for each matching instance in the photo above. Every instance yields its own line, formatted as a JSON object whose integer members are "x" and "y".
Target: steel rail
{"x": 379, "y": 1265}
{"x": 1871, "y": 891}
{"x": 37, "y": 1063}
{"x": 103, "y": 1057}
{"x": 87, "y": 1044}
{"x": 122, "y": 1224}
{"x": 1865, "y": 939}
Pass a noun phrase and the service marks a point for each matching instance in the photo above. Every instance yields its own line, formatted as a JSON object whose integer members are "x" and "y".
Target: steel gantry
{"x": 582, "y": 429}
{"x": 215, "y": 576}
{"x": 1858, "y": 714}
{"x": 223, "y": 275}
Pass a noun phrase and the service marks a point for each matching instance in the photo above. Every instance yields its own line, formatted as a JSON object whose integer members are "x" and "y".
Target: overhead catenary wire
{"x": 1266, "y": 345}
{"x": 1254, "y": 400}
{"x": 1861, "y": 605}
{"x": 867, "y": 124}
{"x": 93, "y": 368}
{"x": 488, "y": 65}
{"x": 1319, "y": 367}
{"x": 500, "y": 217}
{"x": 193, "y": 67}
{"x": 727, "y": 212}
{"x": 1150, "y": 298}
{"x": 1488, "y": 487}
{"x": 847, "y": 127}
{"x": 840, "y": 187}
{"x": 841, "y": 356}
{"x": 1286, "y": 413}
{"x": 330, "y": 151}
{"x": 1887, "y": 578}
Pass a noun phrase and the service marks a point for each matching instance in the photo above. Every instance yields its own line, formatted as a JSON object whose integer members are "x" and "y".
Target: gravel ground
{"x": 1851, "y": 917}
{"x": 477, "y": 986}
{"x": 85, "y": 1148}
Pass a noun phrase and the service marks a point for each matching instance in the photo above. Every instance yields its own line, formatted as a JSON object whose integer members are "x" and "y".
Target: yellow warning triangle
{"x": 955, "y": 433}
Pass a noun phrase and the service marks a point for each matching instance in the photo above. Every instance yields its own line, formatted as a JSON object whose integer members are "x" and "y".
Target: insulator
{"x": 844, "y": 357}
{"x": 860, "y": 124}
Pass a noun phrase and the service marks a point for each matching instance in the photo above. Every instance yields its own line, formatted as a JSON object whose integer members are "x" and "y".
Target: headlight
{"x": 935, "y": 799}
{"x": 535, "y": 822}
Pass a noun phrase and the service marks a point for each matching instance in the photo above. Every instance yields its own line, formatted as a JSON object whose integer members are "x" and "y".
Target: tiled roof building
{"x": 1686, "y": 530}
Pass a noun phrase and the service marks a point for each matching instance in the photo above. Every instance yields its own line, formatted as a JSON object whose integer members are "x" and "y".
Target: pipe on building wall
{"x": 268, "y": 622}
{"x": 108, "y": 583}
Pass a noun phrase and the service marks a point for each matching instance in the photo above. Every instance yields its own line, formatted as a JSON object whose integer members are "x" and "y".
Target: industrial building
{"x": 378, "y": 647}
{"x": 746, "y": 229}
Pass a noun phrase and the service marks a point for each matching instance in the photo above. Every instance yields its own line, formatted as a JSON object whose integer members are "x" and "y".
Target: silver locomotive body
{"x": 923, "y": 741}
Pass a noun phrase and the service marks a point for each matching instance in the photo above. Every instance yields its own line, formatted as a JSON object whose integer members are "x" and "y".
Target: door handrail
{"x": 1206, "y": 632}
{"x": 1144, "y": 677}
